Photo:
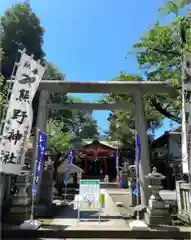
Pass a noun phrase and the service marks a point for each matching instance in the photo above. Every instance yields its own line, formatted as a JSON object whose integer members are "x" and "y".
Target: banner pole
{"x": 65, "y": 191}
{"x": 117, "y": 166}
{"x": 138, "y": 225}
{"x": 67, "y": 175}
{"x": 33, "y": 175}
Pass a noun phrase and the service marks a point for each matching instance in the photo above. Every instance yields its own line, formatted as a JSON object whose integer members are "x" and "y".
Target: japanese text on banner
{"x": 18, "y": 121}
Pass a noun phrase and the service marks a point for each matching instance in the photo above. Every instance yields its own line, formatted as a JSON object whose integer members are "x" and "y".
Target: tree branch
{"x": 175, "y": 53}
{"x": 163, "y": 111}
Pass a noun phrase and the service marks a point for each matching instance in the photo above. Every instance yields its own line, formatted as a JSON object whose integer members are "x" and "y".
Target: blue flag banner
{"x": 42, "y": 142}
{"x": 137, "y": 161}
{"x": 117, "y": 160}
{"x": 138, "y": 150}
{"x": 70, "y": 161}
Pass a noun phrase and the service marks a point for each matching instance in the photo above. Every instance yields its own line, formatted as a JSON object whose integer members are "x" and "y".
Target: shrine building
{"x": 98, "y": 158}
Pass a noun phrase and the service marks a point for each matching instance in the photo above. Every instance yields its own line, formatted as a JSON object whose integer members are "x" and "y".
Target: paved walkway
{"x": 118, "y": 191}
{"x": 110, "y": 217}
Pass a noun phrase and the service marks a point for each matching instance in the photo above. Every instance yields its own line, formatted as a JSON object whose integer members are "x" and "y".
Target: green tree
{"x": 21, "y": 28}
{"x": 122, "y": 122}
{"x": 57, "y": 140}
{"x": 58, "y": 143}
{"x": 83, "y": 125}
{"x": 51, "y": 73}
{"x": 159, "y": 54}
{"x": 80, "y": 122}
{"x": 1, "y": 88}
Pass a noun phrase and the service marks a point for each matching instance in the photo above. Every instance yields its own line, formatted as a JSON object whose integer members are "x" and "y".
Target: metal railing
{"x": 88, "y": 234}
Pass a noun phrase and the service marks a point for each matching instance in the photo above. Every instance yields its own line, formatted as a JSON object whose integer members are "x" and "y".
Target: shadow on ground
{"x": 164, "y": 228}
{"x": 54, "y": 227}
{"x": 69, "y": 212}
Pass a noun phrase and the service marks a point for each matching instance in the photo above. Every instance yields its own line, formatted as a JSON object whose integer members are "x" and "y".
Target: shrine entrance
{"x": 95, "y": 168}
{"x": 135, "y": 89}
{"x": 99, "y": 159}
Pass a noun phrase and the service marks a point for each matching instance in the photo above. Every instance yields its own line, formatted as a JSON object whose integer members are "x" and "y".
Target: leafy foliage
{"x": 160, "y": 53}
{"x": 51, "y": 73}
{"x": 79, "y": 122}
{"x": 57, "y": 140}
{"x": 173, "y": 6}
{"x": 1, "y": 85}
{"x": 122, "y": 122}
{"x": 21, "y": 28}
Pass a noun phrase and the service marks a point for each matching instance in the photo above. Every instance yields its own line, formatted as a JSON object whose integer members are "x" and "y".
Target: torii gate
{"x": 137, "y": 89}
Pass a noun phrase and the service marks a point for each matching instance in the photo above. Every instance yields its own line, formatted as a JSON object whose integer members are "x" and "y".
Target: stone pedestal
{"x": 6, "y": 195}
{"x": 21, "y": 205}
{"x": 45, "y": 191}
{"x": 2, "y": 188}
{"x": 132, "y": 197}
{"x": 157, "y": 212}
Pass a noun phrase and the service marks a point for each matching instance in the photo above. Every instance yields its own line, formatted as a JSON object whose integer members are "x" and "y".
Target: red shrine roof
{"x": 100, "y": 144}
{"x": 98, "y": 149}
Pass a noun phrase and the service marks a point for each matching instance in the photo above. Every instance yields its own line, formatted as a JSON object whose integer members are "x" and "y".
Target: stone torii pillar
{"x": 141, "y": 127}
{"x": 40, "y": 125}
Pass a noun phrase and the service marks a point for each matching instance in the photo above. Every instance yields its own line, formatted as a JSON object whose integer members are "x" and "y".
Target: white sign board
{"x": 18, "y": 121}
{"x": 89, "y": 195}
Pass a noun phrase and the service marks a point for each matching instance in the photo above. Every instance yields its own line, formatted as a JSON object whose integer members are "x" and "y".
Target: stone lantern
{"x": 21, "y": 205}
{"x": 157, "y": 212}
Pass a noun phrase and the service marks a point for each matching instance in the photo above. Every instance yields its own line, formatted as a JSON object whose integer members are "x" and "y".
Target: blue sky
{"x": 88, "y": 39}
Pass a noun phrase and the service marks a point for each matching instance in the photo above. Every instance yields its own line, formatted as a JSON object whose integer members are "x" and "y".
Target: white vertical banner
{"x": 19, "y": 118}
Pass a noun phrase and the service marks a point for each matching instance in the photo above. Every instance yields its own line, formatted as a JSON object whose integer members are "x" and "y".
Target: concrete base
{"x": 158, "y": 212}
{"x": 157, "y": 220}
{"x": 31, "y": 224}
{"x": 20, "y": 209}
{"x": 42, "y": 210}
{"x": 138, "y": 225}
{"x": 154, "y": 204}
{"x": 119, "y": 204}
{"x": 141, "y": 209}
{"x": 18, "y": 214}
